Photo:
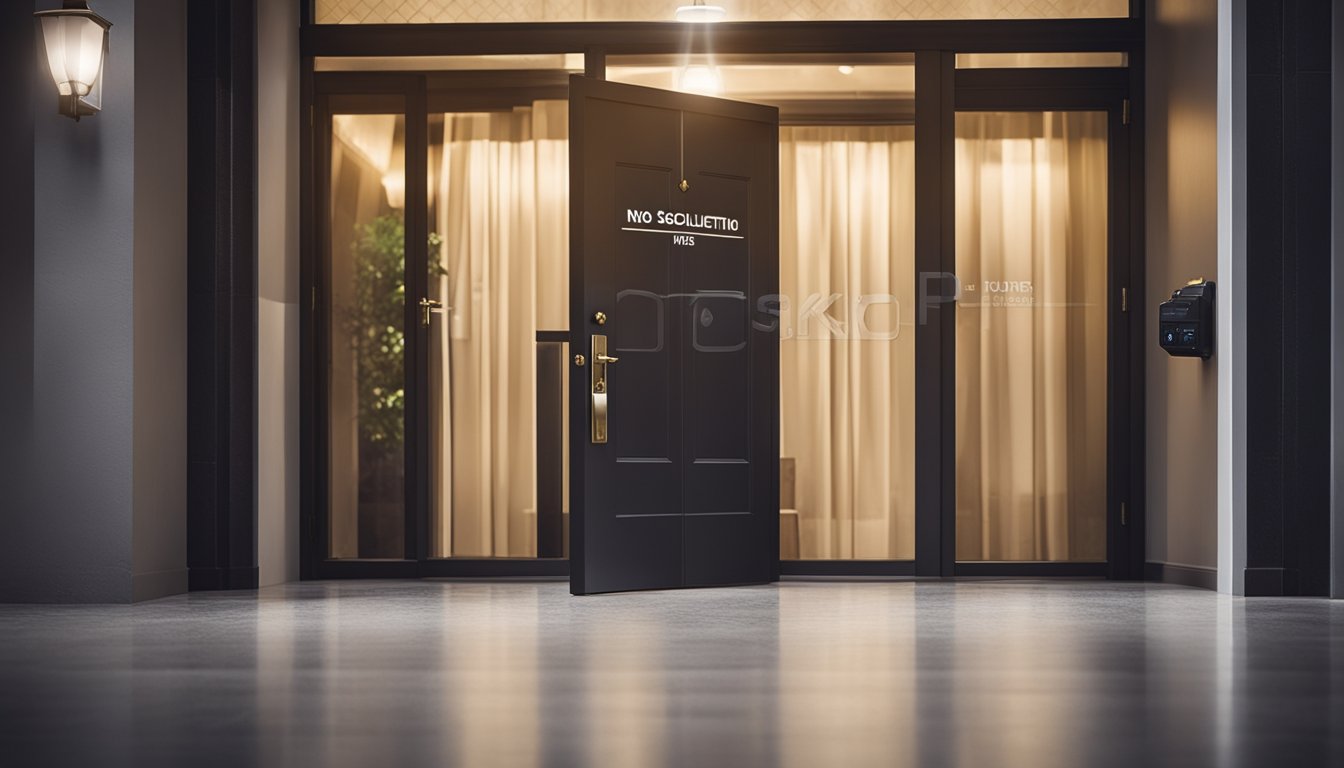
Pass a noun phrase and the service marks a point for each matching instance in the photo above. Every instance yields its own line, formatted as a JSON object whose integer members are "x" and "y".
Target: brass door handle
{"x": 599, "y": 393}
{"x": 427, "y": 306}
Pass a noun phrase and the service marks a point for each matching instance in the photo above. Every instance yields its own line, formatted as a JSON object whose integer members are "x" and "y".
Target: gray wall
{"x": 1182, "y": 228}
{"x": 278, "y": 291}
{"x": 99, "y": 514}
{"x": 159, "y": 521}
{"x": 76, "y": 542}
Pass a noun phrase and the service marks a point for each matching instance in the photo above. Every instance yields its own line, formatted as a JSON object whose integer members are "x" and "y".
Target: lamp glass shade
{"x": 699, "y": 13}
{"x": 76, "y": 45}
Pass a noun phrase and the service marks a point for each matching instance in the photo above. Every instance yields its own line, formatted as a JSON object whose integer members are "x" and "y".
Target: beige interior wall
{"x": 1181, "y": 244}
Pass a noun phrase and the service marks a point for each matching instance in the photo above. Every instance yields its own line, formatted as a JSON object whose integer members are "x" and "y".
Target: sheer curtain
{"x": 501, "y": 211}
{"x": 847, "y": 350}
{"x": 1031, "y": 253}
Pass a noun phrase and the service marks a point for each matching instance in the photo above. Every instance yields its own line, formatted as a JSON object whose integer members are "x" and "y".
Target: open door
{"x": 674, "y": 454}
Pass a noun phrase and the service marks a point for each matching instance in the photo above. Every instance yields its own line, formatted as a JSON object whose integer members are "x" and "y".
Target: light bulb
{"x": 698, "y": 78}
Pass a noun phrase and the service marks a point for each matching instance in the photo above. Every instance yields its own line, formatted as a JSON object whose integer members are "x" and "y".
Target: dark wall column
{"x": 935, "y": 291}
{"x": 1337, "y": 375}
{"x": 222, "y": 316}
{"x": 1288, "y": 317}
{"x": 17, "y": 76}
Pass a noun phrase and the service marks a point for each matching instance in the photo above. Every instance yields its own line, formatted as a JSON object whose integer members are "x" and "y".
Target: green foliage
{"x": 374, "y": 322}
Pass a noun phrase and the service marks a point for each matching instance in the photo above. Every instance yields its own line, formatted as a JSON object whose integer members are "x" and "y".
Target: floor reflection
{"x": 847, "y": 675}
{"x": 625, "y": 698}
{"x": 499, "y": 665}
{"x": 796, "y": 674}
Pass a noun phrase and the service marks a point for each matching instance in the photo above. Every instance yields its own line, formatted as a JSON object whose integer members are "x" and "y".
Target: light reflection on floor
{"x": 975, "y": 673}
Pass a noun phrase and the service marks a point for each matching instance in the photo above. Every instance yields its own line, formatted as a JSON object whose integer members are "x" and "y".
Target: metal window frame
{"x": 940, "y": 90}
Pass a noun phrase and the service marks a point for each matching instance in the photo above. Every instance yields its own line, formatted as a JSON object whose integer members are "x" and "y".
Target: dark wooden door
{"x": 675, "y": 269}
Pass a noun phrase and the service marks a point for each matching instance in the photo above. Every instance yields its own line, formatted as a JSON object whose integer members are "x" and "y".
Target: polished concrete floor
{"x": 979, "y": 673}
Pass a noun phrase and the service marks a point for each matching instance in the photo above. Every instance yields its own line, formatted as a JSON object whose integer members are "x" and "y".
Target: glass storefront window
{"x": 366, "y": 356}
{"x": 847, "y": 350}
{"x": 807, "y": 89}
{"x": 453, "y": 11}
{"x": 499, "y": 199}
{"x": 1030, "y": 331}
{"x": 1031, "y": 336}
{"x": 569, "y": 62}
{"x": 1100, "y": 59}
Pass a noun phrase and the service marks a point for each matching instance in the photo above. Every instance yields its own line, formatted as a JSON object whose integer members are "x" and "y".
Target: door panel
{"x": 684, "y": 492}
{"x": 365, "y": 286}
{"x": 497, "y": 213}
{"x": 847, "y": 264}
{"x": 1032, "y": 335}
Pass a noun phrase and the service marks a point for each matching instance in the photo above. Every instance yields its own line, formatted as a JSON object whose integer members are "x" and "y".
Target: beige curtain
{"x": 1031, "y": 340}
{"x": 847, "y": 350}
{"x": 502, "y": 213}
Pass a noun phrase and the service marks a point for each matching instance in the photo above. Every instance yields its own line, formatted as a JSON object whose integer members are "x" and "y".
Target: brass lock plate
{"x": 600, "y": 387}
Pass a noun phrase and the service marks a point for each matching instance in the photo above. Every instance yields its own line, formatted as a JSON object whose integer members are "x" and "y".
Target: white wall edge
{"x": 277, "y": 243}
{"x": 277, "y": 442}
{"x": 1231, "y": 297}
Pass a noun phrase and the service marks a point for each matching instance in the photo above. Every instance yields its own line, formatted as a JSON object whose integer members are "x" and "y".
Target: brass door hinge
{"x": 1124, "y": 299}
{"x": 1124, "y": 112}
{"x": 1124, "y": 514}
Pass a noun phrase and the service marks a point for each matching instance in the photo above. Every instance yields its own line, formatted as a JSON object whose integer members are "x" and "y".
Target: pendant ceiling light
{"x": 699, "y": 13}
{"x": 76, "y": 41}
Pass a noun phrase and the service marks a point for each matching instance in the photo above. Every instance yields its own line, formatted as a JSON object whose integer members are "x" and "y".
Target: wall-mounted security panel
{"x": 1185, "y": 327}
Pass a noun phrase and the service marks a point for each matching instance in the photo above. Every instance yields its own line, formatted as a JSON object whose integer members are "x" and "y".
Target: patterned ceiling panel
{"x": 449, "y": 11}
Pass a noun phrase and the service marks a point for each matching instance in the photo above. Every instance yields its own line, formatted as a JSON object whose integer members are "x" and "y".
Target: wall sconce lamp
{"x": 76, "y": 42}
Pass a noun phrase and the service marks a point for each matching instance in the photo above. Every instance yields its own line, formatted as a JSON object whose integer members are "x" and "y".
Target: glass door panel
{"x": 847, "y": 346}
{"x": 366, "y": 350}
{"x": 1031, "y": 336}
{"x": 499, "y": 256}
